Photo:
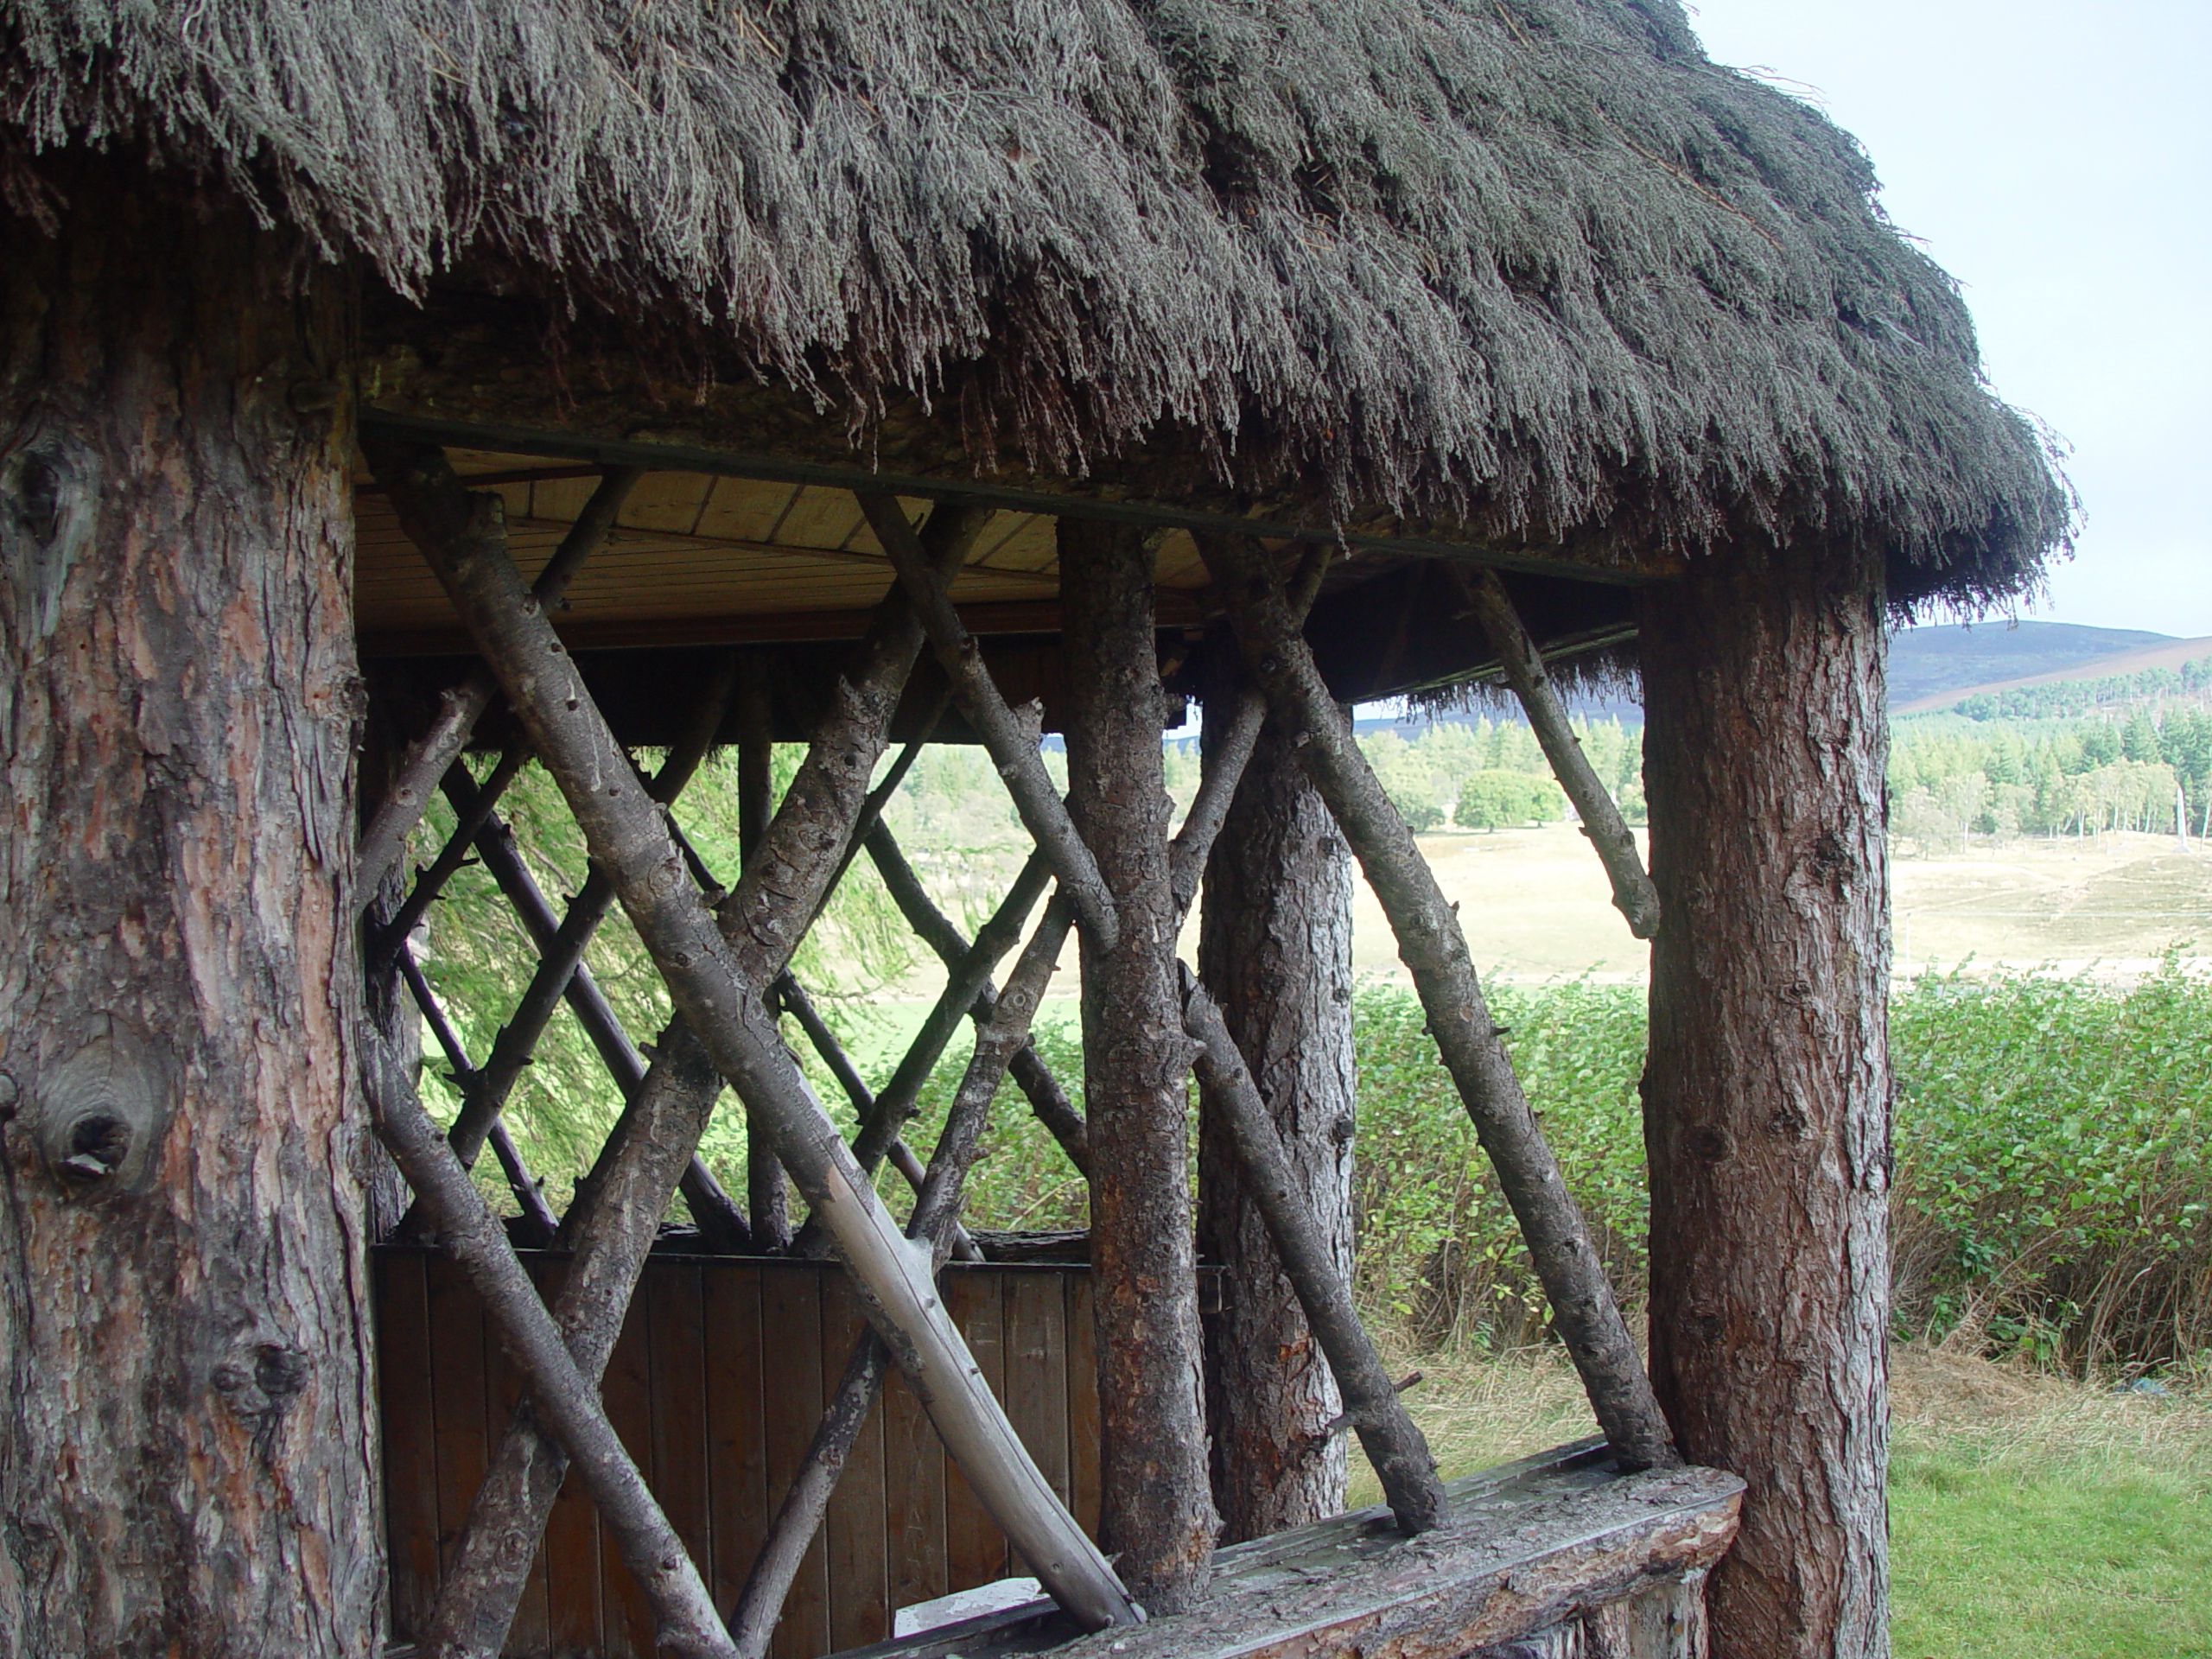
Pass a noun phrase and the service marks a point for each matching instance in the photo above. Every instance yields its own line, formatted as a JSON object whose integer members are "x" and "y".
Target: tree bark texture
{"x": 622, "y": 1200}
{"x": 1393, "y": 1443}
{"x": 1767, "y": 1090}
{"x": 187, "y": 1459}
{"x": 1156, "y": 1509}
{"x": 719, "y": 994}
{"x": 1274, "y": 947}
{"x": 1584, "y": 1311}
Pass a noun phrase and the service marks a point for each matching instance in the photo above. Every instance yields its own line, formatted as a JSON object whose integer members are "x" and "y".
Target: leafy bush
{"x": 2054, "y": 1163}
{"x": 2054, "y": 1190}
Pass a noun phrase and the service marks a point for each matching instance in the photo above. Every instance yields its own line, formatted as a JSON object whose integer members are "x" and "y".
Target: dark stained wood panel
{"x": 792, "y": 1361}
{"x": 854, "y": 1530}
{"x": 410, "y": 1487}
{"x": 456, "y": 1324}
{"x": 715, "y": 1386}
{"x": 626, "y": 1391}
{"x": 737, "y": 1464}
{"x": 976, "y": 1550}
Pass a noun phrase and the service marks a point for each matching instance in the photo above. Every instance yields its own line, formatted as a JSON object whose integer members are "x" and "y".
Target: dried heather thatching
{"x": 1533, "y": 264}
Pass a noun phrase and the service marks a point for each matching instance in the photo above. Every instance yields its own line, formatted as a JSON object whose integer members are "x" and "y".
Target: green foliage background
{"x": 2054, "y": 1182}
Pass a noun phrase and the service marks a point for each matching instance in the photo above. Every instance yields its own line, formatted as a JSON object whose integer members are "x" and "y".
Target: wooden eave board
{"x": 690, "y": 549}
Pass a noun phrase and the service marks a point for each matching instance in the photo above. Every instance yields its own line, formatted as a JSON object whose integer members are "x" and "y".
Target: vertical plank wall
{"x": 715, "y": 1386}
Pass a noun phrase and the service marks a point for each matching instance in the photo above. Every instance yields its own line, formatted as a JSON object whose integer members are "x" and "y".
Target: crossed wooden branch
{"x": 722, "y": 970}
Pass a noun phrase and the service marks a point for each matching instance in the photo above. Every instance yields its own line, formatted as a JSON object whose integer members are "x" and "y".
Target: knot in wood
{"x": 99, "y": 1113}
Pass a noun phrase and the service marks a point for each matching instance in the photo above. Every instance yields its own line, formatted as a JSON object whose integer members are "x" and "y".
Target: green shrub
{"x": 2054, "y": 1190}
{"x": 1438, "y": 1248}
{"x": 2053, "y": 1195}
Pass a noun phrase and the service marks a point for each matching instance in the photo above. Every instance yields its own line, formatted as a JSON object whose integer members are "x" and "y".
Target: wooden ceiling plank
{"x": 675, "y": 457}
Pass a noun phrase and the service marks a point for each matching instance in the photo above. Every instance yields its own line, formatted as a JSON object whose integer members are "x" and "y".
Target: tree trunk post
{"x": 767, "y": 1198}
{"x": 1767, "y": 1089}
{"x": 1584, "y": 1311}
{"x": 1274, "y": 947}
{"x": 1157, "y": 1508}
{"x": 188, "y": 1458}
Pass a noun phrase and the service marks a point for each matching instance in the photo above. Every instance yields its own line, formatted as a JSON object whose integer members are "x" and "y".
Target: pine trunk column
{"x": 1276, "y": 951}
{"x": 187, "y": 1457}
{"x": 1767, "y": 1090}
{"x": 1157, "y": 1514}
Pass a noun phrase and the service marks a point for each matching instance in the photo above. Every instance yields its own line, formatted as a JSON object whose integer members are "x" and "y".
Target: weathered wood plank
{"x": 456, "y": 1331}
{"x": 503, "y": 1387}
{"x": 913, "y": 1469}
{"x": 975, "y": 1551}
{"x": 735, "y": 1425}
{"x": 680, "y": 1471}
{"x": 1037, "y": 1374}
{"x": 1083, "y": 1401}
{"x": 1529, "y": 1549}
{"x": 791, "y": 1383}
{"x": 568, "y": 1559}
{"x": 411, "y": 1486}
{"x": 853, "y": 1526}
{"x": 626, "y": 1391}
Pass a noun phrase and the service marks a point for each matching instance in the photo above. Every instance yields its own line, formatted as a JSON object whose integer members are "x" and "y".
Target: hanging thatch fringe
{"x": 1535, "y": 264}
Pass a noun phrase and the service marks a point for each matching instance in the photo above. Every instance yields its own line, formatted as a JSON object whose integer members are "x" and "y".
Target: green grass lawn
{"x": 2030, "y": 1518}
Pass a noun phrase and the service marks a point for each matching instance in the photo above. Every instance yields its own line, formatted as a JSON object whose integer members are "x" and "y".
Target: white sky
{"x": 2056, "y": 159}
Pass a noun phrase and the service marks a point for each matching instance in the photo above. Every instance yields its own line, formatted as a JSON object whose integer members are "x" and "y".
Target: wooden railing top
{"x": 1528, "y": 1544}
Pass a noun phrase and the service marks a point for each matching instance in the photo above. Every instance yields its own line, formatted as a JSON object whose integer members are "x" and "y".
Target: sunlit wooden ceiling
{"x": 696, "y": 559}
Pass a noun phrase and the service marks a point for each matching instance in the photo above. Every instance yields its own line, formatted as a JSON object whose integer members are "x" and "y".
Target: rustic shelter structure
{"x": 384, "y": 383}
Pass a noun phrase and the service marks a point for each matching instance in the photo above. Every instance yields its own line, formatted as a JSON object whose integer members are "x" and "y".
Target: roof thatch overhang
{"x": 1526, "y": 280}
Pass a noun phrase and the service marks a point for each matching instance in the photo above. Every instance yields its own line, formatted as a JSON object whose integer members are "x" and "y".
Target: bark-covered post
{"x": 187, "y": 1455}
{"x": 1274, "y": 947}
{"x": 1157, "y": 1509}
{"x": 767, "y": 1200}
{"x": 1767, "y": 1091}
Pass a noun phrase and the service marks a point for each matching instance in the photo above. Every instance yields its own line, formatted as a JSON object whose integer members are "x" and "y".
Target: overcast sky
{"x": 2056, "y": 159}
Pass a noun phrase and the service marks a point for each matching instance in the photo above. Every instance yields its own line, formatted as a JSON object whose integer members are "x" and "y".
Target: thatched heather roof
{"x": 1533, "y": 264}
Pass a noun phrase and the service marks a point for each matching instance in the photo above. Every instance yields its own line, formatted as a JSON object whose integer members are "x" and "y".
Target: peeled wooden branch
{"x": 620, "y": 1204}
{"x": 1047, "y": 1100}
{"x": 1583, "y": 1306}
{"x": 1633, "y": 894}
{"x": 464, "y": 540}
{"x": 1012, "y": 743}
{"x": 936, "y": 1219}
{"x": 800, "y": 1006}
{"x": 563, "y": 1400}
{"x": 429, "y": 883}
{"x": 461, "y": 708}
{"x": 1393, "y": 1442}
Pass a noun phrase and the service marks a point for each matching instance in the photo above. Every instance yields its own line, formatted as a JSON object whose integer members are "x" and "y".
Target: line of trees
{"x": 2066, "y": 699}
{"x": 1485, "y": 774}
{"x": 2146, "y": 768}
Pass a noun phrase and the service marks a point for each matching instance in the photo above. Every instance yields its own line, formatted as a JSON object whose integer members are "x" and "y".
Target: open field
{"x": 1536, "y": 905}
{"x": 2031, "y": 1517}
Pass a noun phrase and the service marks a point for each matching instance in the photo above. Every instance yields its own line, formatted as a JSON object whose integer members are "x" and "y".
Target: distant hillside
{"x": 2127, "y": 678}
{"x": 1929, "y": 666}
